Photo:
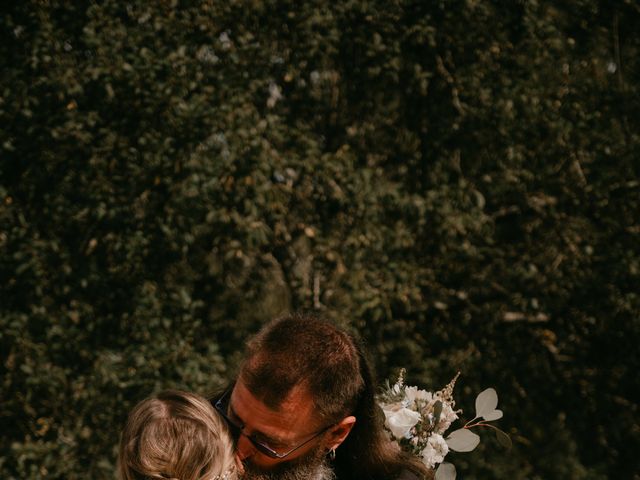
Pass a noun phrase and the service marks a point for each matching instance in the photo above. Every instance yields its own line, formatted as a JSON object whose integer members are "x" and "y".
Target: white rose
{"x": 400, "y": 420}
{"x": 435, "y": 451}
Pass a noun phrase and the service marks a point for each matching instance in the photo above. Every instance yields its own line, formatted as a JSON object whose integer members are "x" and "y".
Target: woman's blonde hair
{"x": 176, "y": 435}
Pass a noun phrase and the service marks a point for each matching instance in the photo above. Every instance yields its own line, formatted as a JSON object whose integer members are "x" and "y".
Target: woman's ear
{"x": 339, "y": 432}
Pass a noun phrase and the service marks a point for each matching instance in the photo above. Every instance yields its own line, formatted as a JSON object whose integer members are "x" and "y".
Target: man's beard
{"x": 312, "y": 466}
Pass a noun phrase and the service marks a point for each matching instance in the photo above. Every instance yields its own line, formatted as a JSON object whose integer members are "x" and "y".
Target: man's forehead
{"x": 295, "y": 412}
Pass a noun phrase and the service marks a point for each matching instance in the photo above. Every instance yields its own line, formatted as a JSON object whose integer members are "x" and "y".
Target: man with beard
{"x": 303, "y": 407}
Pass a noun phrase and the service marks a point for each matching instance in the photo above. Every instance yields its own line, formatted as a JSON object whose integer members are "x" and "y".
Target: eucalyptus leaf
{"x": 503, "y": 439}
{"x": 495, "y": 415}
{"x": 486, "y": 402}
{"x": 437, "y": 411}
{"x": 446, "y": 471}
{"x": 462, "y": 440}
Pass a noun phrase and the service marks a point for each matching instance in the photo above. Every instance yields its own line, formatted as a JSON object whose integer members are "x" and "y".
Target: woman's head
{"x": 176, "y": 435}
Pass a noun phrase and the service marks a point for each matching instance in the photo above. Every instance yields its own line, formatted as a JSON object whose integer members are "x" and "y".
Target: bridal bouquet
{"x": 418, "y": 420}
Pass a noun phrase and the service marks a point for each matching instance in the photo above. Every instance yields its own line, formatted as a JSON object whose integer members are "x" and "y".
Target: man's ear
{"x": 339, "y": 432}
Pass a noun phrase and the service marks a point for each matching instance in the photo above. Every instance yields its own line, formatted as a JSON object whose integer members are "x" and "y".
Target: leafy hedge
{"x": 457, "y": 181}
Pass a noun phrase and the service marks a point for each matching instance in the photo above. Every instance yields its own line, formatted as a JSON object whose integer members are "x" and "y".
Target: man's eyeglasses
{"x": 236, "y": 427}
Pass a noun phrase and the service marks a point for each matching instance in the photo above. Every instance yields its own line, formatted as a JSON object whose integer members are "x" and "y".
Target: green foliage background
{"x": 458, "y": 181}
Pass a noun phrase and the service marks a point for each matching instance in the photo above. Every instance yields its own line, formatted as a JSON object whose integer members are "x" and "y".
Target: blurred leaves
{"x": 458, "y": 182}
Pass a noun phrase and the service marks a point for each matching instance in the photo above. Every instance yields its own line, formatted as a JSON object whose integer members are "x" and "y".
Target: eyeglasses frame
{"x": 237, "y": 430}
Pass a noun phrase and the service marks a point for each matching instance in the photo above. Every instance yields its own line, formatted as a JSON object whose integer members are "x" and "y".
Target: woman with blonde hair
{"x": 176, "y": 435}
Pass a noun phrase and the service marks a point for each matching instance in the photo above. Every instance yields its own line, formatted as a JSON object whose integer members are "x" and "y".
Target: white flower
{"x": 435, "y": 451}
{"x": 447, "y": 417}
{"x": 400, "y": 420}
{"x": 412, "y": 394}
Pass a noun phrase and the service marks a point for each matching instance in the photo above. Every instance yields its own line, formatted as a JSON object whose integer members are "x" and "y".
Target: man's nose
{"x": 244, "y": 448}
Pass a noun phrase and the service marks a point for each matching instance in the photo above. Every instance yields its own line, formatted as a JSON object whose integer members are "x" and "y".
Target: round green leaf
{"x": 503, "y": 439}
{"x": 446, "y": 471}
{"x": 486, "y": 402}
{"x": 462, "y": 440}
{"x": 495, "y": 415}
